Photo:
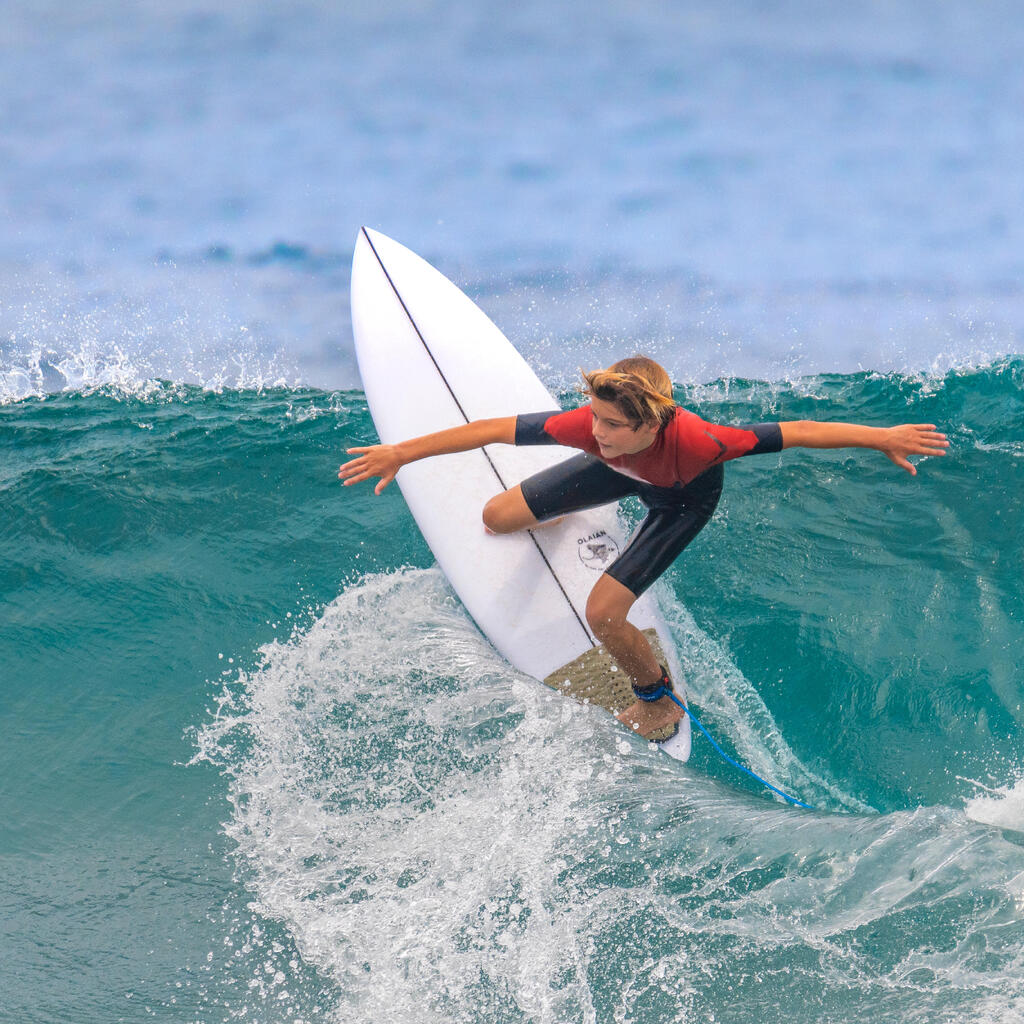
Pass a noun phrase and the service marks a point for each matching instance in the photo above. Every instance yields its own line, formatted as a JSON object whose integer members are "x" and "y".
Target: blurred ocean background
{"x": 256, "y": 763}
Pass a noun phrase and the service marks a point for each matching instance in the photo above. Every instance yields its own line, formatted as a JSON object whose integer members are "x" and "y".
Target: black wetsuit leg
{"x": 578, "y": 483}
{"x": 676, "y": 516}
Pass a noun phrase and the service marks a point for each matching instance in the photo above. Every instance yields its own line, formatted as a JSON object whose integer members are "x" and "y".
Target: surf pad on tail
{"x": 593, "y": 678}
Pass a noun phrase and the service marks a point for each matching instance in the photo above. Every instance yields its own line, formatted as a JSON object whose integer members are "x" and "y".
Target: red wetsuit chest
{"x": 685, "y": 448}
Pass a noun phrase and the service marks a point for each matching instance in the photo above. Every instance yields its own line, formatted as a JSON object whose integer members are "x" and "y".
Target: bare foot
{"x": 645, "y": 717}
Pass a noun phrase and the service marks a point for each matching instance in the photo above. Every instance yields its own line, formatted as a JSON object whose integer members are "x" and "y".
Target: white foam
{"x": 445, "y": 840}
{"x": 53, "y": 339}
{"x": 407, "y": 808}
{"x": 1002, "y": 807}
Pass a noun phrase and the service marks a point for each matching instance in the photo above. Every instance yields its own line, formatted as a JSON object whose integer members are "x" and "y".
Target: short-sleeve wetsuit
{"x": 679, "y": 479}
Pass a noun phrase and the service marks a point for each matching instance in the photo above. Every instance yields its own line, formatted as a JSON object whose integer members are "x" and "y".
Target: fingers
{"x": 927, "y": 434}
{"x": 363, "y": 463}
{"x": 903, "y": 462}
{"x": 350, "y": 474}
{"x": 927, "y": 448}
{"x": 916, "y": 439}
{"x": 349, "y": 469}
{"x": 370, "y": 461}
{"x": 353, "y": 465}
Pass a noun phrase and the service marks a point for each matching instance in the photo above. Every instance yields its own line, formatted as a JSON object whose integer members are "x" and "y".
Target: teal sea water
{"x": 258, "y": 763}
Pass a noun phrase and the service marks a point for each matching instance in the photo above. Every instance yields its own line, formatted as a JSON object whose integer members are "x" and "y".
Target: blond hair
{"x": 639, "y": 387}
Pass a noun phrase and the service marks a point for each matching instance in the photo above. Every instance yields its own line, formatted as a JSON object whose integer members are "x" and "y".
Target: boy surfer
{"x": 633, "y": 439}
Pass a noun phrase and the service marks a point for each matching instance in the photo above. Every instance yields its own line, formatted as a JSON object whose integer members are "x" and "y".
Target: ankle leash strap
{"x": 649, "y": 694}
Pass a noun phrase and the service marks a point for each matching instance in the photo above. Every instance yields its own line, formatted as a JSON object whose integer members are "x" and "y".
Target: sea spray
{"x": 451, "y": 840}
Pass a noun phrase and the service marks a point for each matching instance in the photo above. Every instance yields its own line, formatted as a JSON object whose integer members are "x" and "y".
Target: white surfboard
{"x": 431, "y": 359}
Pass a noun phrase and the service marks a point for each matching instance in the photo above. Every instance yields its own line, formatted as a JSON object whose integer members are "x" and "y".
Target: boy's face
{"x": 614, "y": 433}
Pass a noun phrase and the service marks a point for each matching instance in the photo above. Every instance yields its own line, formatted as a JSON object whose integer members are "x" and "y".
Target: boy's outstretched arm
{"x": 896, "y": 443}
{"x": 385, "y": 460}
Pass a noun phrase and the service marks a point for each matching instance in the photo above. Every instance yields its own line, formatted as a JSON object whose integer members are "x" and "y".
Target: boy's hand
{"x": 380, "y": 460}
{"x": 912, "y": 439}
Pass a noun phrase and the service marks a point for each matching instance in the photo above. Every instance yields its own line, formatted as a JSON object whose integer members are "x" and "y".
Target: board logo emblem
{"x": 598, "y": 550}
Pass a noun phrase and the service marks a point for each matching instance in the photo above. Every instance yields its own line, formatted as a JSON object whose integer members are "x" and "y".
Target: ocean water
{"x": 256, "y": 762}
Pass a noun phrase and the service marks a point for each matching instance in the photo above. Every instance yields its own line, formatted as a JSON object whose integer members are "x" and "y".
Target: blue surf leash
{"x": 660, "y": 690}
{"x": 725, "y": 757}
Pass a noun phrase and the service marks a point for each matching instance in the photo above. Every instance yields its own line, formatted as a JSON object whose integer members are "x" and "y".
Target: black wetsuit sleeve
{"x": 530, "y": 427}
{"x": 769, "y": 437}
